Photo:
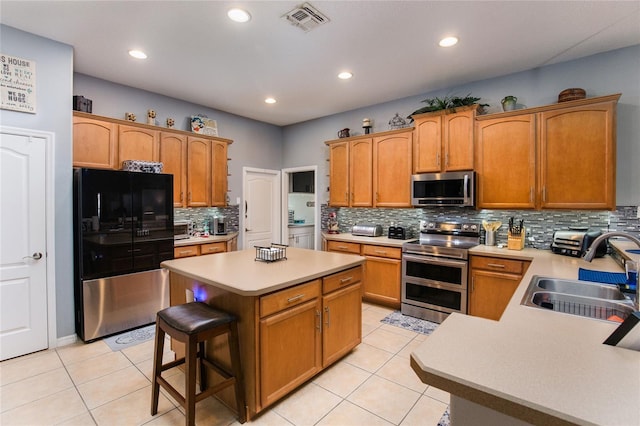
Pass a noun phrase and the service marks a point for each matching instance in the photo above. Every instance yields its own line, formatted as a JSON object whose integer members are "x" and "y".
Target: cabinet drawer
{"x": 499, "y": 265}
{"x": 186, "y": 251}
{"x": 289, "y": 297}
{"x": 213, "y": 248}
{"x": 343, "y": 247}
{"x": 382, "y": 251}
{"x": 341, "y": 279}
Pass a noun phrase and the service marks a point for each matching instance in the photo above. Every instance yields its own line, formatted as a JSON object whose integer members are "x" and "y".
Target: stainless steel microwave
{"x": 443, "y": 189}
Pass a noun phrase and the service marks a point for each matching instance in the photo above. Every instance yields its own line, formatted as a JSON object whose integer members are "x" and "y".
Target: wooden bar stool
{"x": 193, "y": 324}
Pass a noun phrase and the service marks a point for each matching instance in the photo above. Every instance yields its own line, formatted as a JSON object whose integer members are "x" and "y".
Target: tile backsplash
{"x": 200, "y": 214}
{"x": 539, "y": 224}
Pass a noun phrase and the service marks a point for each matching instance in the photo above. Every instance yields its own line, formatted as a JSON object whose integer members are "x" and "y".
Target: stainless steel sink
{"x": 580, "y": 288}
{"x": 591, "y": 300}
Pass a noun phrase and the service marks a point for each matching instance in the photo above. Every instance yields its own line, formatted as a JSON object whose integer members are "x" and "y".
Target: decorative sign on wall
{"x": 18, "y": 83}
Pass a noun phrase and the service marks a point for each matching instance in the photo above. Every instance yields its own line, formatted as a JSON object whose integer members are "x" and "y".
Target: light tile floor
{"x": 89, "y": 384}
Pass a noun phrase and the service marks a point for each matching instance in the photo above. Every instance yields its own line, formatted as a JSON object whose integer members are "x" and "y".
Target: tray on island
{"x": 271, "y": 254}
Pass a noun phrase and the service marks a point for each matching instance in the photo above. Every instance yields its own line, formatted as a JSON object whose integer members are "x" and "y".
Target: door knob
{"x": 34, "y": 256}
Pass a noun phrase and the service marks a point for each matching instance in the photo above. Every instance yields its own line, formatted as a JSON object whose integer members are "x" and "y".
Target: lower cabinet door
{"x": 341, "y": 322}
{"x": 382, "y": 281}
{"x": 490, "y": 293}
{"x": 290, "y": 350}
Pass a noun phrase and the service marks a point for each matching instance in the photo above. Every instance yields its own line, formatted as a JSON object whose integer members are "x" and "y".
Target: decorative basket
{"x": 271, "y": 254}
{"x": 572, "y": 94}
{"x": 142, "y": 166}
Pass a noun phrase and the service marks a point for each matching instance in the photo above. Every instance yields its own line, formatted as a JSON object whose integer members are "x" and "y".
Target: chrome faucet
{"x": 590, "y": 254}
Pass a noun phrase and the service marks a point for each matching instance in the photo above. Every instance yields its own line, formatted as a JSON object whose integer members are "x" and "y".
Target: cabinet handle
{"x": 342, "y": 247}
{"x": 319, "y": 323}
{"x": 352, "y": 198}
{"x": 345, "y": 280}
{"x": 438, "y": 159}
{"x": 473, "y": 284}
{"x": 326, "y": 310}
{"x": 185, "y": 252}
{"x": 346, "y": 197}
{"x": 377, "y": 198}
{"x": 544, "y": 194}
{"x": 189, "y": 197}
{"x": 446, "y": 159}
{"x": 496, "y": 265}
{"x": 181, "y": 195}
{"x": 531, "y": 195}
{"x": 295, "y": 298}
{"x": 381, "y": 251}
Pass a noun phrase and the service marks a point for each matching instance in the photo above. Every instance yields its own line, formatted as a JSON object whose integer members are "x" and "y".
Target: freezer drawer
{"x": 114, "y": 304}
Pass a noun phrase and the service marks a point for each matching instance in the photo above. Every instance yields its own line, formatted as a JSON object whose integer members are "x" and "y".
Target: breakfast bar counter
{"x": 296, "y": 316}
{"x": 533, "y": 365}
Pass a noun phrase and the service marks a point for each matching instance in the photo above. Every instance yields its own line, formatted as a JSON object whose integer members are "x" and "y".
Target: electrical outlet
{"x": 638, "y": 212}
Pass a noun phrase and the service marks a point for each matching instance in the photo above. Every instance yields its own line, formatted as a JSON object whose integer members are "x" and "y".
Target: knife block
{"x": 516, "y": 241}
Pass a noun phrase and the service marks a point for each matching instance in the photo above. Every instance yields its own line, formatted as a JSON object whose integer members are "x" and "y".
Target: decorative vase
{"x": 509, "y": 103}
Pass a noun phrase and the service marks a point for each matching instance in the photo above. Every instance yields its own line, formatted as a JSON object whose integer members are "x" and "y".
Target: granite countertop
{"x": 381, "y": 241}
{"x": 548, "y": 365}
{"x": 239, "y": 272}
{"x": 205, "y": 240}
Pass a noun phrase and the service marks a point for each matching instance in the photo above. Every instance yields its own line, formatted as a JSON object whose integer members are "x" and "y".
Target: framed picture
{"x": 203, "y": 125}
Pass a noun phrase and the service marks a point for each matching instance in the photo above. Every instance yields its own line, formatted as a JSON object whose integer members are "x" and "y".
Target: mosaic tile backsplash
{"x": 539, "y": 224}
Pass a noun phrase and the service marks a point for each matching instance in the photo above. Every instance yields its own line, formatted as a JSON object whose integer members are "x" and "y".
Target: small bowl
{"x": 572, "y": 94}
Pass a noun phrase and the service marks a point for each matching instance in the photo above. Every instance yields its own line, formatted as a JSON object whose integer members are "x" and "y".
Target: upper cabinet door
{"x": 360, "y": 173}
{"x": 219, "y": 174}
{"x": 173, "y": 155}
{"x": 392, "y": 170}
{"x": 457, "y": 140}
{"x": 198, "y": 172}
{"x": 136, "y": 143}
{"x": 577, "y": 157}
{"x": 339, "y": 174}
{"x": 427, "y": 147}
{"x": 94, "y": 143}
{"x": 505, "y": 163}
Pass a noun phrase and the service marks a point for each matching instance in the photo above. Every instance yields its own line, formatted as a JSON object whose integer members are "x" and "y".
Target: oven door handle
{"x": 434, "y": 260}
{"x": 467, "y": 200}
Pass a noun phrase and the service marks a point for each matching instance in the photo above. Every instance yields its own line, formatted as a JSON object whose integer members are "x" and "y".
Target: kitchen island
{"x": 296, "y": 316}
{"x": 533, "y": 365}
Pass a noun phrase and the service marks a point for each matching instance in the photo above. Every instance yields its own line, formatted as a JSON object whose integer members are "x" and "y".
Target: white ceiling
{"x": 197, "y": 54}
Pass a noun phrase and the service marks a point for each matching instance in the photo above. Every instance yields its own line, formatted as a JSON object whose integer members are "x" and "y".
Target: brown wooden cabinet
{"x": 94, "y": 143}
{"x": 392, "y": 170}
{"x": 137, "y": 143}
{"x": 290, "y": 318}
{"x": 206, "y": 248}
{"x": 443, "y": 140}
{"x": 186, "y": 251}
{"x": 198, "y": 163}
{"x": 506, "y": 163}
{"x": 492, "y": 284}
{"x": 173, "y": 155}
{"x": 559, "y": 156}
{"x": 577, "y": 157}
{"x": 382, "y": 275}
{"x": 198, "y": 172}
{"x": 341, "y": 314}
{"x": 350, "y": 173}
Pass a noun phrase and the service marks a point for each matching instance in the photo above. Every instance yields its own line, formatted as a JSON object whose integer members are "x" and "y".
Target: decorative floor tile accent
{"x": 409, "y": 323}
{"x": 131, "y": 338}
{"x": 445, "y": 420}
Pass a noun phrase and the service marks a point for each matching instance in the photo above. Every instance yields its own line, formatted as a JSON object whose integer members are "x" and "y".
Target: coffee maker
{"x": 218, "y": 226}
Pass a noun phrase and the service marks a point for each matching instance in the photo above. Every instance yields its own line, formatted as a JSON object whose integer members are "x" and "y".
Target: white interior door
{"x": 23, "y": 254}
{"x": 261, "y": 190}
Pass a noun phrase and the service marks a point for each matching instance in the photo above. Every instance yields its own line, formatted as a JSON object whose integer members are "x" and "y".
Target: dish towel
{"x": 602, "y": 277}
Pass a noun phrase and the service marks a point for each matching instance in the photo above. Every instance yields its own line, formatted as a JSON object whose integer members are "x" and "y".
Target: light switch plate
{"x": 638, "y": 212}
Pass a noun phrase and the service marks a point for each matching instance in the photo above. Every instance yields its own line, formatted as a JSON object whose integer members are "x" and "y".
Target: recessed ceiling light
{"x": 138, "y": 54}
{"x": 345, "y": 75}
{"x": 238, "y": 15}
{"x": 270, "y": 101}
{"x": 448, "y": 42}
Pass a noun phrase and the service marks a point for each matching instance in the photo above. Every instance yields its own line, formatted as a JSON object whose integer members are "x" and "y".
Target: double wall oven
{"x": 435, "y": 270}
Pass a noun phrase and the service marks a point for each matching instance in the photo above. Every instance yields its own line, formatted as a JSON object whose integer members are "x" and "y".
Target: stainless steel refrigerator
{"x": 123, "y": 229}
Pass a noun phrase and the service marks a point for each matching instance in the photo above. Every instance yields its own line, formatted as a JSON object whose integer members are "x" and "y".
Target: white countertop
{"x": 382, "y": 241}
{"x": 536, "y": 361}
{"x": 205, "y": 240}
{"x": 240, "y": 273}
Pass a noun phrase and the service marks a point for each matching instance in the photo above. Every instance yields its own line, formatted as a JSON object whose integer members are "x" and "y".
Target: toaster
{"x": 366, "y": 230}
{"x": 399, "y": 233}
{"x": 576, "y": 243}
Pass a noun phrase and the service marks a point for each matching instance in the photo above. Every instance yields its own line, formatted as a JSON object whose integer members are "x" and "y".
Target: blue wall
{"x": 54, "y": 68}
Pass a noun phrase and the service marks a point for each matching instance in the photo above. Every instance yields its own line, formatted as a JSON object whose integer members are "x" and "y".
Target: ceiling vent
{"x": 306, "y": 17}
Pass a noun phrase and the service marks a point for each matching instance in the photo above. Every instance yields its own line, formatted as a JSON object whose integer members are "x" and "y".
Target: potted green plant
{"x": 448, "y": 102}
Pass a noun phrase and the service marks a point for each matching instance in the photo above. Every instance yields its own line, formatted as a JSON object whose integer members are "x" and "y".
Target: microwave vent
{"x": 306, "y": 17}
